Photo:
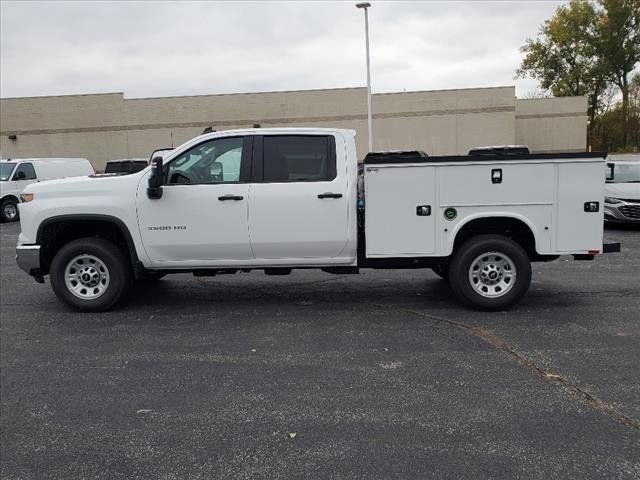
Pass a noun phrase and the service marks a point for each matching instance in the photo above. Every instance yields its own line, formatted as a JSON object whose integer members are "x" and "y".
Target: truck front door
{"x": 202, "y": 215}
{"x": 299, "y": 203}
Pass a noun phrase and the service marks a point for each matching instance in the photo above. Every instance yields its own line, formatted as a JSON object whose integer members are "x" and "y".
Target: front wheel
{"x": 490, "y": 272}
{"x": 90, "y": 274}
{"x": 9, "y": 211}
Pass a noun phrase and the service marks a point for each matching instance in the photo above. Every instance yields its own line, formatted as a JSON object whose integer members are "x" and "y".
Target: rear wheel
{"x": 490, "y": 272}
{"x": 9, "y": 210}
{"x": 90, "y": 274}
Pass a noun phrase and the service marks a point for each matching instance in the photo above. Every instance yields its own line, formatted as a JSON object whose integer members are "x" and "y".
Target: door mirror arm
{"x": 156, "y": 180}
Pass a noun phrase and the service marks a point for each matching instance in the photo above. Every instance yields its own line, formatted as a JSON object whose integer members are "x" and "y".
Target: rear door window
{"x": 298, "y": 158}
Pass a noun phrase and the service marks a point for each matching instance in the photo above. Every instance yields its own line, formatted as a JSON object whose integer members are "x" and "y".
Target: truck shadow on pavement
{"x": 257, "y": 296}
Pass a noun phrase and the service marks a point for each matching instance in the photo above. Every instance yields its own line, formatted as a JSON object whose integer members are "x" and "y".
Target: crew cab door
{"x": 299, "y": 204}
{"x": 202, "y": 215}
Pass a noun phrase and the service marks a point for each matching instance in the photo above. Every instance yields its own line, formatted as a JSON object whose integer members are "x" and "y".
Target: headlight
{"x": 26, "y": 197}
{"x": 612, "y": 200}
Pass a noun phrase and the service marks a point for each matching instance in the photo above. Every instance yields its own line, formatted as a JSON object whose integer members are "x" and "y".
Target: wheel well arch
{"x": 10, "y": 196}
{"x": 55, "y": 232}
{"x": 515, "y": 228}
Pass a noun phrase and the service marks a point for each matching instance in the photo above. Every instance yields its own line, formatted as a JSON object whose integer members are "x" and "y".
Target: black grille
{"x": 631, "y": 211}
{"x": 631, "y": 200}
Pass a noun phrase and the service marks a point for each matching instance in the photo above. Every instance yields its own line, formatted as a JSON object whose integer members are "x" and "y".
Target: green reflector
{"x": 450, "y": 213}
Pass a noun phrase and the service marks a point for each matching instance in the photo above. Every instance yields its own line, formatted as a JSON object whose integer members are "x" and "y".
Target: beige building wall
{"x": 552, "y": 124}
{"x": 107, "y": 126}
{"x": 443, "y": 122}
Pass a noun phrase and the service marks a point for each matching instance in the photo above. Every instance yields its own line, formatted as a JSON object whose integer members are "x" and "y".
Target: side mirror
{"x": 156, "y": 180}
{"x": 609, "y": 172}
{"x": 21, "y": 176}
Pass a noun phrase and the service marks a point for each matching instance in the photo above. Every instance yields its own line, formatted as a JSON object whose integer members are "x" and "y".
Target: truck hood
{"x": 629, "y": 191}
{"x": 81, "y": 186}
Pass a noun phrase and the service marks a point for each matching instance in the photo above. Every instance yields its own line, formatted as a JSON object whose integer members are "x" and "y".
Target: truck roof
{"x": 281, "y": 130}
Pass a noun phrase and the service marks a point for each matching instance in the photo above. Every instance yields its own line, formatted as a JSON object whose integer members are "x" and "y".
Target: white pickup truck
{"x": 284, "y": 198}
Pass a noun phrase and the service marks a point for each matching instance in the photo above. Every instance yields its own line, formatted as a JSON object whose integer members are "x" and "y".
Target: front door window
{"x": 215, "y": 161}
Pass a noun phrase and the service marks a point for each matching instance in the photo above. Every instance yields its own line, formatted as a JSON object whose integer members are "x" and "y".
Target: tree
{"x": 610, "y": 128}
{"x": 617, "y": 45}
{"x": 582, "y": 50}
{"x": 563, "y": 58}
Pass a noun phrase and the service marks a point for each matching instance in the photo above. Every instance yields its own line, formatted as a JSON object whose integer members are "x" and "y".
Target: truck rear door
{"x": 298, "y": 202}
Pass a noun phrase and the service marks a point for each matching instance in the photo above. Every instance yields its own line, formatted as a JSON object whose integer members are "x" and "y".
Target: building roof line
{"x": 551, "y": 98}
{"x": 446, "y": 90}
{"x": 310, "y": 90}
{"x": 63, "y": 96}
{"x": 248, "y": 93}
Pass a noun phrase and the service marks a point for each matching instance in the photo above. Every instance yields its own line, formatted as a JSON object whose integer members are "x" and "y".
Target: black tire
{"x": 442, "y": 271}
{"x": 470, "y": 255}
{"x": 7, "y": 207}
{"x": 117, "y": 265}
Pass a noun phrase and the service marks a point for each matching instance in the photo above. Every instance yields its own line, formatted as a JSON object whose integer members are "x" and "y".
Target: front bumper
{"x": 623, "y": 212}
{"x": 28, "y": 259}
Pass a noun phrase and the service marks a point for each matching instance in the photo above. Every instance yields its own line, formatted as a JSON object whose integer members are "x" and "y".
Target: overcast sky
{"x": 150, "y": 49}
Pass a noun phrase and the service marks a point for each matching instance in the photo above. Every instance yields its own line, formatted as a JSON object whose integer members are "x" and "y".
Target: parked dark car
{"x": 126, "y": 166}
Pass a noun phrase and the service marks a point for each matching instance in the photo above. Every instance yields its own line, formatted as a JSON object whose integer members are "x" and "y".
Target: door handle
{"x": 330, "y": 195}
{"x": 230, "y": 197}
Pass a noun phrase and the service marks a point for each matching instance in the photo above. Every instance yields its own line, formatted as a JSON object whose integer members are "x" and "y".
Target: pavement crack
{"x": 499, "y": 344}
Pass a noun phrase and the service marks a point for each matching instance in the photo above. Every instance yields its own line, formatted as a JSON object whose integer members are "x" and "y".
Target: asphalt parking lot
{"x": 379, "y": 375}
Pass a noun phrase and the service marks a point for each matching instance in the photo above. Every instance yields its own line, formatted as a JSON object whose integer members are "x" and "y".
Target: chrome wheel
{"x": 492, "y": 274}
{"x": 10, "y": 210}
{"x": 86, "y": 277}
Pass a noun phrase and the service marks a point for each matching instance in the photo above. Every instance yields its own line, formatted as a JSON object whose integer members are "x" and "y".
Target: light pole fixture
{"x": 365, "y": 6}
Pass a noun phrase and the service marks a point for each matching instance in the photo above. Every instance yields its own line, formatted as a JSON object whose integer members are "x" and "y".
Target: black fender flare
{"x": 138, "y": 267}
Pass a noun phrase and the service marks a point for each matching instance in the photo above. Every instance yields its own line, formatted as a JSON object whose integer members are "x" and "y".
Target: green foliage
{"x": 583, "y": 49}
{"x": 609, "y": 131}
{"x": 617, "y": 38}
{"x": 562, "y": 58}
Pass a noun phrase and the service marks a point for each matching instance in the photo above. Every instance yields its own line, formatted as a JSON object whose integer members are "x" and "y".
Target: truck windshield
{"x": 623, "y": 173}
{"x": 6, "y": 169}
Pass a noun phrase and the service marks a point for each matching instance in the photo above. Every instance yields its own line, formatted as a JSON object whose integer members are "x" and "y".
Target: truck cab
{"x": 263, "y": 199}
{"x": 285, "y": 198}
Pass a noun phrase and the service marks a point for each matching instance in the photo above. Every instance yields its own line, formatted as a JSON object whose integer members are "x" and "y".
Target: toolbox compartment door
{"x": 400, "y": 210}
{"x": 579, "y": 230}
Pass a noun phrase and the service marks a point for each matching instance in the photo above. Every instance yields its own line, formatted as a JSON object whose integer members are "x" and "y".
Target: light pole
{"x": 365, "y": 6}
